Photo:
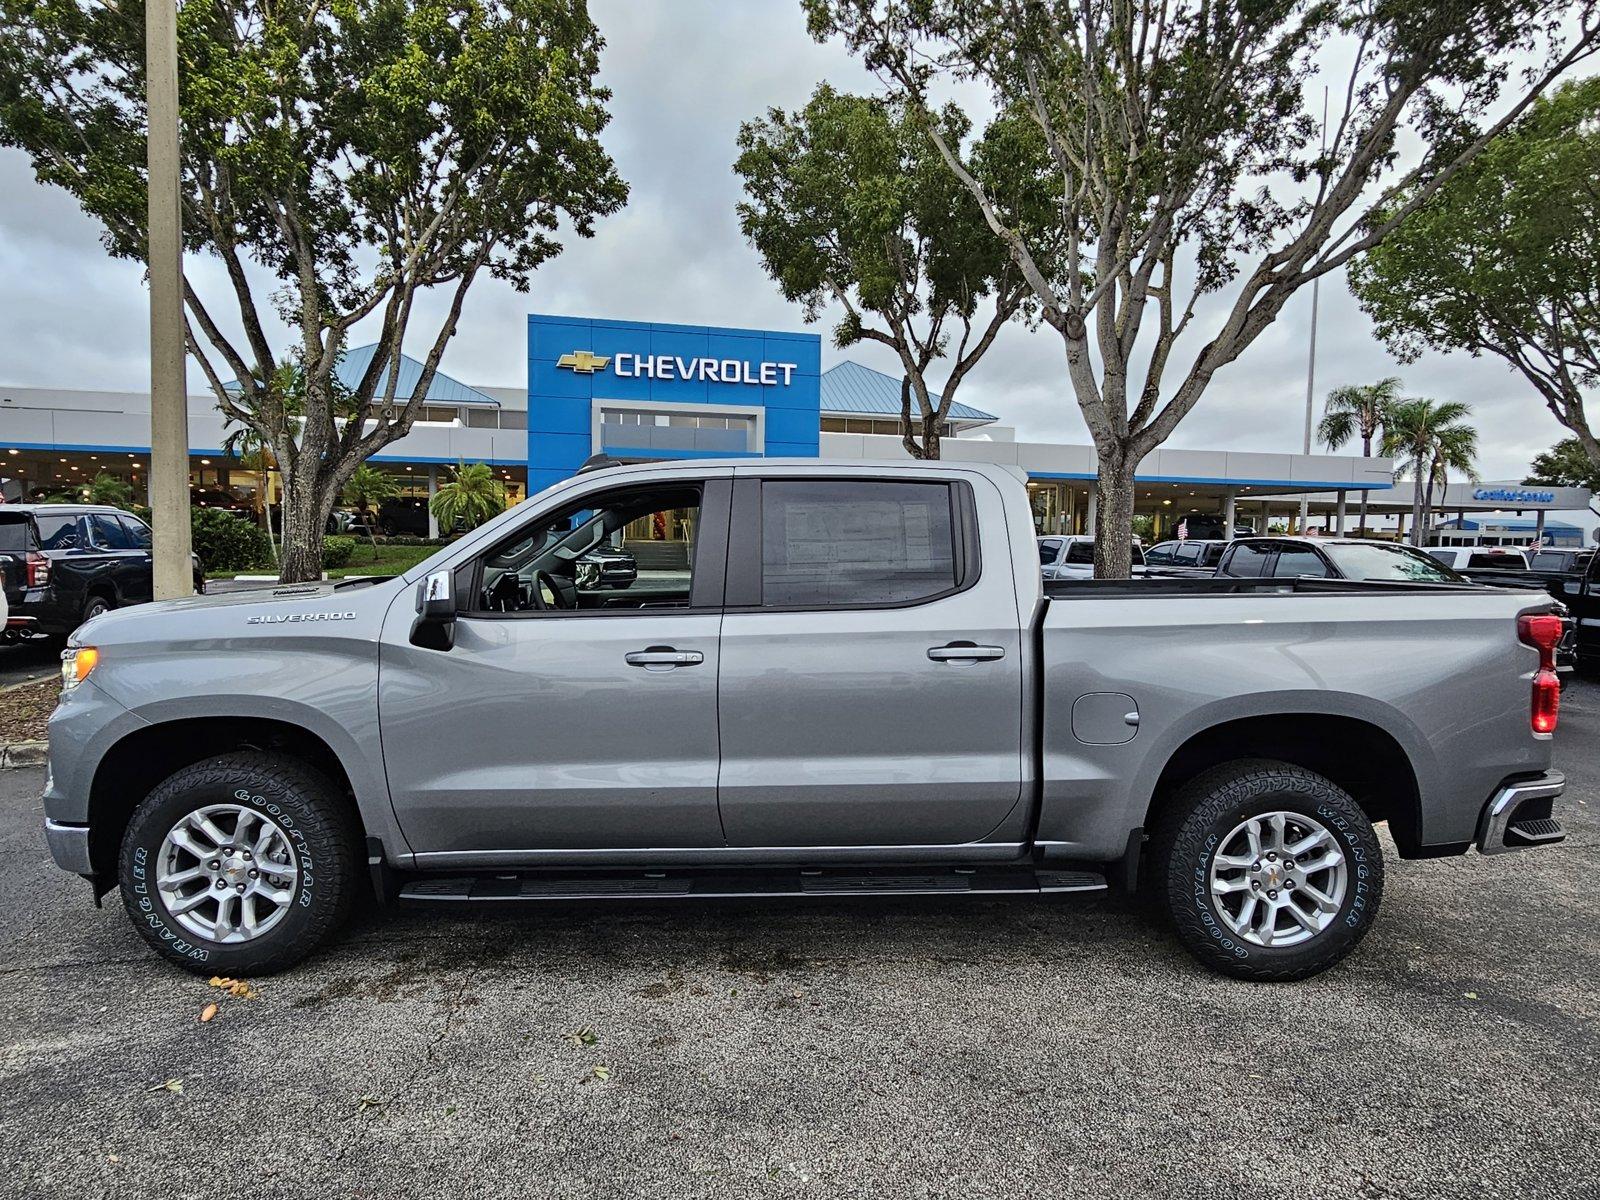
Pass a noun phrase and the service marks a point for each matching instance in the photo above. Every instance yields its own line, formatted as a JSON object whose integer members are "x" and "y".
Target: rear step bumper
{"x": 1518, "y": 816}
{"x": 709, "y": 885}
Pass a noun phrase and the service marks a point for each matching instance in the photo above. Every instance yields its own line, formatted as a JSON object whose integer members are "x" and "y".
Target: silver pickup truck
{"x": 826, "y": 680}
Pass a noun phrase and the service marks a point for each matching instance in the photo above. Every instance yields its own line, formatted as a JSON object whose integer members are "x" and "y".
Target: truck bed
{"x": 1152, "y": 586}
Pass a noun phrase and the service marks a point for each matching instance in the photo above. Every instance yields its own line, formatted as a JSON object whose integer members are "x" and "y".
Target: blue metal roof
{"x": 849, "y": 387}
{"x": 443, "y": 390}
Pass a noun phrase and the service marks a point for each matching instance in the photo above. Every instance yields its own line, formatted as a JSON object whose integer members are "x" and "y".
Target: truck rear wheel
{"x": 240, "y": 864}
{"x": 1267, "y": 870}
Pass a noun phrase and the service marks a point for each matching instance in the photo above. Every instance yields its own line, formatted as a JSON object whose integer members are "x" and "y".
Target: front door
{"x": 872, "y": 675}
{"x": 577, "y": 708}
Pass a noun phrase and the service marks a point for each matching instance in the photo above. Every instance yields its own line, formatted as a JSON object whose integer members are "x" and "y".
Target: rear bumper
{"x": 1518, "y": 816}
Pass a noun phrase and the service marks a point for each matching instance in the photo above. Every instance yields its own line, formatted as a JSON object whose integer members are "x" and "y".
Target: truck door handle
{"x": 965, "y": 652}
{"x": 663, "y": 658}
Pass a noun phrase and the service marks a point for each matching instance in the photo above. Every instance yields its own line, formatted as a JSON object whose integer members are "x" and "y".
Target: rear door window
{"x": 1247, "y": 560}
{"x": 1160, "y": 555}
{"x": 1048, "y": 551}
{"x": 1080, "y": 552}
{"x": 138, "y": 532}
{"x": 828, "y": 543}
{"x": 1189, "y": 554}
{"x": 1295, "y": 562}
{"x": 109, "y": 533}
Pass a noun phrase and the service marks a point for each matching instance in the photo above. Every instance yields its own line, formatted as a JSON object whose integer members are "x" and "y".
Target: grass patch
{"x": 387, "y": 560}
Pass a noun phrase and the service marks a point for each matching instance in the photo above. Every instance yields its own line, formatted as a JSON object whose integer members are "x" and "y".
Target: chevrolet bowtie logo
{"x": 583, "y": 362}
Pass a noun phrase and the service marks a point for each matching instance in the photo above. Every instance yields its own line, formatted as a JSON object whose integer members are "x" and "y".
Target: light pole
{"x": 1311, "y": 358}
{"x": 169, "y": 404}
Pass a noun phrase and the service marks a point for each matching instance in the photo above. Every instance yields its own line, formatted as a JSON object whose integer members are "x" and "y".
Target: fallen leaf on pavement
{"x": 584, "y": 1036}
{"x": 208, "y": 1012}
{"x": 600, "y": 1072}
{"x": 239, "y": 989}
{"x": 175, "y": 1086}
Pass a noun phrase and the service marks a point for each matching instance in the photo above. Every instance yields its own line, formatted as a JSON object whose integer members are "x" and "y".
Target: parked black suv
{"x": 61, "y": 564}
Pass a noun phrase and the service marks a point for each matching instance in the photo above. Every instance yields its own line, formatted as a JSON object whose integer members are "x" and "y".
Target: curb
{"x": 23, "y": 754}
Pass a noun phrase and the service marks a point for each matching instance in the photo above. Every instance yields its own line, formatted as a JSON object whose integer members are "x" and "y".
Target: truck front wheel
{"x": 241, "y": 863}
{"x": 1267, "y": 870}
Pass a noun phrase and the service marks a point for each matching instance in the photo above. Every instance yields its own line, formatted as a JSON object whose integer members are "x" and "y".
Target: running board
{"x": 709, "y": 885}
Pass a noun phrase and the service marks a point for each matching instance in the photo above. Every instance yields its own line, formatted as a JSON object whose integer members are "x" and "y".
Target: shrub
{"x": 337, "y": 551}
{"x": 227, "y": 542}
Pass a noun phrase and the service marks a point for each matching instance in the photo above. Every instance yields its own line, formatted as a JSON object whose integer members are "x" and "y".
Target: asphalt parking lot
{"x": 883, "y": 1048}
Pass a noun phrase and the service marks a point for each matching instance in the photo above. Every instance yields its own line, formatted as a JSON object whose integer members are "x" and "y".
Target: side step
{"x": 1535, "y": 831}
{"x": 706, "y": 885}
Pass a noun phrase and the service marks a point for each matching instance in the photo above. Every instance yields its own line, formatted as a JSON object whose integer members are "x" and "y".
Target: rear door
{"x": 127, "y": 564}
{"x": 1584, "y": 600}
{"x": 872, "y": 681}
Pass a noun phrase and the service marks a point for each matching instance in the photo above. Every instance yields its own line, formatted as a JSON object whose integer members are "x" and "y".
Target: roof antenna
{"x": 598, "y": 462}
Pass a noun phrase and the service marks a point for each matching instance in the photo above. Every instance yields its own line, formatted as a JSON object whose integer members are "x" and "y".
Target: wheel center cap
{"x": 235, "y": 869}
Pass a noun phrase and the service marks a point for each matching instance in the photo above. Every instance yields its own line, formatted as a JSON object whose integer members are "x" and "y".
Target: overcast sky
{"x": 685, "y": 73}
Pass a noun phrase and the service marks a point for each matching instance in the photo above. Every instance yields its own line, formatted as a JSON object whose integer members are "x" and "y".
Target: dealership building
{"x": 641, "y": 391}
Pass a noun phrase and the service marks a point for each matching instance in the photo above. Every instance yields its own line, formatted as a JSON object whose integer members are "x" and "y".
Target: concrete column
{"x": 1338, "y": 516}
{"x": 1230, "y": 508}
{"x": 169, "y": 400}
{"x": 1094, "y": 509}
{"x": 433, "y": 488}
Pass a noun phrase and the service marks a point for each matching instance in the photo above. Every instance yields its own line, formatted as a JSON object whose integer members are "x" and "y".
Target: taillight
{"x": 1543, "y": 631}
{"x": 38, "y": 567}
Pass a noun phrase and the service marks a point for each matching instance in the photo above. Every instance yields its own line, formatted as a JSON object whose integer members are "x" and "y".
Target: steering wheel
{"x": 558, "y": 598}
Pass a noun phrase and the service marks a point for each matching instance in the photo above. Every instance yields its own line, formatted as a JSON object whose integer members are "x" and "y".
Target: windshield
{"x": 1381, "y": 560}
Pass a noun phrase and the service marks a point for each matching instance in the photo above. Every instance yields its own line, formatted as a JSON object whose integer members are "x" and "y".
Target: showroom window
{"x": 848, "y": 543}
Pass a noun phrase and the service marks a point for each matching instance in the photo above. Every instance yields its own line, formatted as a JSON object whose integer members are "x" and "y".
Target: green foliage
{"x": 368, "y": 488}
{"x": 1430, "y": 439}
{"x": 337, "y": 551}
{"x": 340, "y": 159}
{"x": 1503, "y": 260}
{"x": 227, "y": 542}
{"x": 1565, "y": 465}
{"x": 848, "y": 202}
{"x": 102, "y": 489}
{"x": 1357, "y": 410}
{"x": 472, "y": 497}
{"x": 1187, "y": 158}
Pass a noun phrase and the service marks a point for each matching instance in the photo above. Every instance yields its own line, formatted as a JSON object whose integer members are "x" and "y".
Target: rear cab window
{"x": 1247, "y": 560}
{"x": 1048, "y": 549}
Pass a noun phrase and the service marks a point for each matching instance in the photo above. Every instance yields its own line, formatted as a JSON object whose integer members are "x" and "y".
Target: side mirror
{"x": 435, "y": 626}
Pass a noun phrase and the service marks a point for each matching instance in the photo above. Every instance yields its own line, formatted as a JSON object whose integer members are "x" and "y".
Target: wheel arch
{"x": 141, "y": 759}
{"x": 1361, "y": 757}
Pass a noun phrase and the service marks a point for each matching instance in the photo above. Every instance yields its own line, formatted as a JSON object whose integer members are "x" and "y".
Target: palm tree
{"x": 472, "y": 497}
{"x": 368, "y": 488}
{"x": 1428, "y": 437}
{"x": 1357, "y": 410}
{"x": 245, "y": 444}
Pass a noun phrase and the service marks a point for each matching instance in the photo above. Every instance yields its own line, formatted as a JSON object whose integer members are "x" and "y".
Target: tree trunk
{"x": 307, "y": 502}
{"x": 1113, "y": 534}
{"x": 930, "y": 436}
{"x": 1416, "y": 509}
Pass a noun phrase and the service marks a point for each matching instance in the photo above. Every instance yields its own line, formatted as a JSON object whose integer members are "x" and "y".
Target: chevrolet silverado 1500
{"x": 835, "y": 680}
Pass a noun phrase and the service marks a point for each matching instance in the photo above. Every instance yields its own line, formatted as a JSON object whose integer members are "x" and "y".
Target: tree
{"x": 849, "y": 202}
{"x": 367, "y": 489}
{"x": 1502, "y": 260}
{"x": 102, "y": 489}
{"x": 1357, "y": 410}
{"x": 1566, "y": 464}
{"x": 1187, "y": 161}
{"x": 472, "y": 497}
{"x": 338, "y": 160}
{"x": 1427, "y": 437}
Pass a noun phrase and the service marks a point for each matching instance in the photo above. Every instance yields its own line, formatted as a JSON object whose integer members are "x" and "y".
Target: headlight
{"x": 76, "y": 663}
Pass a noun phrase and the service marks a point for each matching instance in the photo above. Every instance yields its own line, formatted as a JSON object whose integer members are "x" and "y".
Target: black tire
{"x": 1191, "y": 831}
{"x": 303, "y": 803}
{"x": 96, "y": 606}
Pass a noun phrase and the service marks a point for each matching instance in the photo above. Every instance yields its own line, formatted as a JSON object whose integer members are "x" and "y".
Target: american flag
{"x": 1183, "y": 530}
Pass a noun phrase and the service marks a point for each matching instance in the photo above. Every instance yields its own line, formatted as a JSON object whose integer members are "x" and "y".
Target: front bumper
{"x": 1518, "y": 816}
{"x": 69, "y": 846}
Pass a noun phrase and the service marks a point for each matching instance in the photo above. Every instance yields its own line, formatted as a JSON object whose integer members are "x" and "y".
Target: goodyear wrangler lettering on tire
{"x": 1266, "y": 870}
{"x": 244, "y": 862}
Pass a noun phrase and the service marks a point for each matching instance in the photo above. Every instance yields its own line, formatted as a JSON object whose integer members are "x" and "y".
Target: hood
{"x": 260, "y": 609}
